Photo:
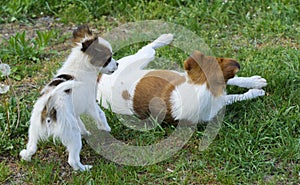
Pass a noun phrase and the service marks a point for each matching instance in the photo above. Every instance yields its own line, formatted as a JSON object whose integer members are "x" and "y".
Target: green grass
{"x": 259, "y": 142}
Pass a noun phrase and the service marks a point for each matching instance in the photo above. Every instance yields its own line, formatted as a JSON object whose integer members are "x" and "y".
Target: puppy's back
{"x": 155, "y": 84}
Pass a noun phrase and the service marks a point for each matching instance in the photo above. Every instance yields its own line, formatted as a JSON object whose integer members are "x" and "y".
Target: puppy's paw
{"x": 108, "y": 129}
{"x": 24, "y": 155}
{"x": 165, "y": 38}
{"x": 78, "y": 166}
{"x": 86, "y": 168}
{"x": 256, "y": 93}
{"x": 86, "y": 133}
{"x": 162, "y": 40}
{"x": 257, "y": 82}
{"x": 104, "y": 127}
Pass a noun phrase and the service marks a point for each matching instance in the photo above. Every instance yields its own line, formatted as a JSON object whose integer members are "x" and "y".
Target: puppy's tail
{"x": 65, "y": 87}
{"x": 59, "y": 107}
{"x": 59, "y": 96}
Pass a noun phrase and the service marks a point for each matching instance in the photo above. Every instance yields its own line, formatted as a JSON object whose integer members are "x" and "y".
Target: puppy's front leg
{"x": 255, "y": 82}
{"x": 82, "y": 128}
{"x": 252, "y": 93}
{"x": 99, "y": 116}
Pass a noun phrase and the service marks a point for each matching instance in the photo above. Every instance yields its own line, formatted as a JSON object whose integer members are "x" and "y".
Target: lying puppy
{"x": 196, "y": 95}
{"x": 71, "y": 93}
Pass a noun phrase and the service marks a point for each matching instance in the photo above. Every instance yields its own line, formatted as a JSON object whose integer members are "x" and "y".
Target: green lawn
{"x": 259, "y": 141}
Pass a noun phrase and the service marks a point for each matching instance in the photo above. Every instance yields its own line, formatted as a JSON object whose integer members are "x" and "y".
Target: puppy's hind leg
{"x": 162, "y": 40}
{"x": 36, "y": 131}
{"x": 146, "y": 54}
{"x": 71, "y": 138}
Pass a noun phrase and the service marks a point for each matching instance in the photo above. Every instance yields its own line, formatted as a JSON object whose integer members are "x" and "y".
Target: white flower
{"x": 4, "y": 89}
{"x": 5, "y": 69}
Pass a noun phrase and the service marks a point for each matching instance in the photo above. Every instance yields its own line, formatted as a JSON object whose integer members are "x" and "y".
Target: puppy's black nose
{"x": 117, "y": 63}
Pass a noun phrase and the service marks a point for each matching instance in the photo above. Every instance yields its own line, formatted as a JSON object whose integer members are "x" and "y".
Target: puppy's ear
{"x": 86, "y": 44}
{"x": 82, "y": 32}
{"x": 188, "y": 63}
{"x": 229, "y": 67}
{"x": 194, "y": 60}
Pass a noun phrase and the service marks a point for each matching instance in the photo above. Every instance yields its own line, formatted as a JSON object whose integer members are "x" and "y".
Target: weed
{"x": 21, "y": 48}
{"x": 5, "y": 172}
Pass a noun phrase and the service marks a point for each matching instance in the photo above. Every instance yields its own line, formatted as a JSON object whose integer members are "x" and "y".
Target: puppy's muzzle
{"x": 115, "y": 66}
{"x": 114, "y": 69}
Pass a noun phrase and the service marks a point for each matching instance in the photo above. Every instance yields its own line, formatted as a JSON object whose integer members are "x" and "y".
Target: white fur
{"x": 111, "y": 87}
{"x": 69, "y": 106}
{"x": 189, "y": 101}
{"x": 183, "y": 100}
{"x": 253, "y": 82}
{"x": 250, "y": 94}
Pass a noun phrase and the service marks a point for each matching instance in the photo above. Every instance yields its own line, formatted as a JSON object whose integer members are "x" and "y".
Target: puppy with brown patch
{"x": 196, "y": 95}
{"x": 72, "y": 93}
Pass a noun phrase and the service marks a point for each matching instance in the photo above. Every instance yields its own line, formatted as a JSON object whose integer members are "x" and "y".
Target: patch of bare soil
{"x": 41, "y": 24}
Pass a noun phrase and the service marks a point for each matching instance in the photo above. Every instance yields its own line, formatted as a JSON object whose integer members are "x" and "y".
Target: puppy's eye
{"x": 107, "y": 62}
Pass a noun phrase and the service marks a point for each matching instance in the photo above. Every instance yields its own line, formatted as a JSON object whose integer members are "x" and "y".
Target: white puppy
{"x": 71, "y": 93}
{"x": 196, "y": 95}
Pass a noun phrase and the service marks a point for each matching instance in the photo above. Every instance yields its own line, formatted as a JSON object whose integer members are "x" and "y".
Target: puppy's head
{"x": 229, "y": 67}
{"x": 98, "y": 49}
{"x": 215, "y": 72}
{"x": 200, "y": 67}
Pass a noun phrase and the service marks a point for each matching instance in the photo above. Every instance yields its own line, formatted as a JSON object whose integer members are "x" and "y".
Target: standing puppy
{"x": 71, "y": 93}
{"x": 195, "y": 95}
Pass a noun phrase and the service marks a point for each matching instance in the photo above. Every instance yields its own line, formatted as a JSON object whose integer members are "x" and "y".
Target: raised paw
{"x": 104, "y": 127}
{"x": 256, "y": 93}
{"x": 86, "y": 133}
{"x": 162, "y": 40}
{"x": 257, "y": 82}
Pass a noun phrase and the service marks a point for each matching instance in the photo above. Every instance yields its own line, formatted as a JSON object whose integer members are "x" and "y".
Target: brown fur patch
{"x": 126, "y": 95}
{"x": 156, "y": 84}
{"x": 107, "y": 62}
{"x": 48, "y": 114}
{"x": 82, "y": 32}
{"x": 65, "y": 76}
{"x": 86, "y": 44}
{"x": 215, "y": 72}
{"x": 229, "y": 67}
{"x": 99, "y": 78}
{"x": 44, "y": 115}
{"x": 56, "y": 82}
